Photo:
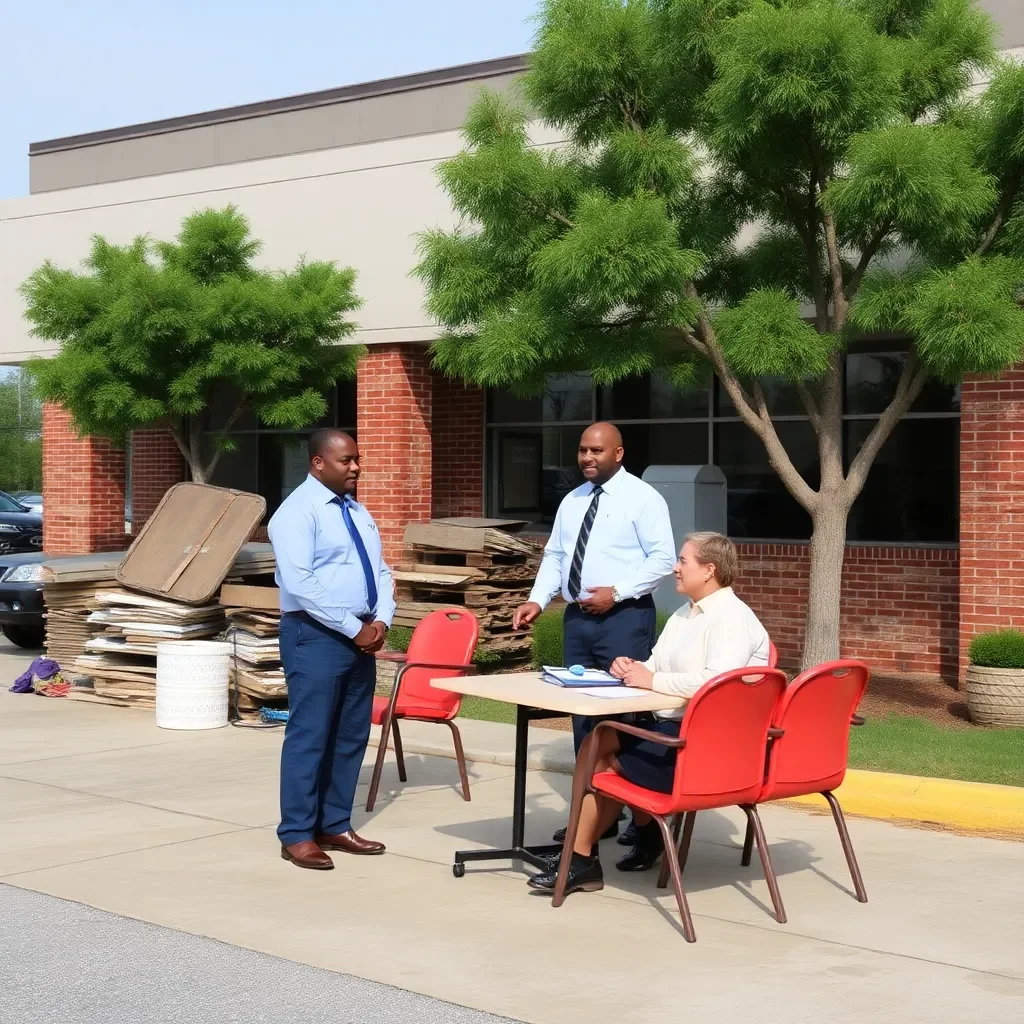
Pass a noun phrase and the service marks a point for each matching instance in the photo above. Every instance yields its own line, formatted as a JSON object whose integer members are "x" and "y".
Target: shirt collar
{"x": 323, "y": 493}
{"x": 617, "y": 480}
{"x": 706, "y": 604}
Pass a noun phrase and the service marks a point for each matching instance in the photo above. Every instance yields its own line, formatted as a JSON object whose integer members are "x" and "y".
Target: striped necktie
{"x": 576, "y": 569}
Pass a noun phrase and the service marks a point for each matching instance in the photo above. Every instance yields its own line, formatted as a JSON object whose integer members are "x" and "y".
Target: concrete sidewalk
{"x": 177, "y": 829}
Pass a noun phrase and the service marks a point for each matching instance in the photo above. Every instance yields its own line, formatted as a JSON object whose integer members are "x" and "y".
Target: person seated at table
{"x": 715, "y": 633}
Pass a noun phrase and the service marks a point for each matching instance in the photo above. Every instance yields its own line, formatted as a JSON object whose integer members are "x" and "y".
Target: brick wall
{"x": 83, "y": 489}
{"x": 157, "y": 465}
{"x": 458, "y": 448}
{"x": 900, "y": 606}
{"x": 991, "y": 505}
{"x": 394, "y": 400}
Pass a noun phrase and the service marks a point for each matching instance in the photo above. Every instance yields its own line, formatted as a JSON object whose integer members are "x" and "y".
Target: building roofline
{"x": 478, "y": 71}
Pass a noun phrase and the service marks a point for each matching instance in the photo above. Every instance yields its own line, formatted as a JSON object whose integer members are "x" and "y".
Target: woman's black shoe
{"x": 646, "y": 850}
{"x": 640, "y": 858}
{"x": 585, "y": 875}
{"x": 628, "y": 837}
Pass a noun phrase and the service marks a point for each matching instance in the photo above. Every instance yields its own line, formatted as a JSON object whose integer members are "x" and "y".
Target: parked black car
{"x": 21, "y": 598}
{"x": 21, "y": 529}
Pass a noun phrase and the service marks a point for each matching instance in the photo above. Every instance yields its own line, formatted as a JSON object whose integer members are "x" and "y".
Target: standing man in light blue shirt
{"x": 337, "y": 602}
{"x": 611, "y": 545}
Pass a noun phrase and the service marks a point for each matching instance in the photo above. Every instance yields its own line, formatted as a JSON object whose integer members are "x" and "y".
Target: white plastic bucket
{"x": 192, "y": 684}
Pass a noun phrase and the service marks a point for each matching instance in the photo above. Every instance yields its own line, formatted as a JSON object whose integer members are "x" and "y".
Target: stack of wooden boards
{"x": 120, "y": 658}
{"x": 105, "y": 635}
{"x": 253, "y": 624}
{"x": 70, "y": 587}
{"x": 478, "y": 564}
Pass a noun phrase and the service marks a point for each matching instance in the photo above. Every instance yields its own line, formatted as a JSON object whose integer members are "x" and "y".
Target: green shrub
{"x": 399, "y": 637}
{"x": 1001, "y": 649}
{"x": 547, "y": 637}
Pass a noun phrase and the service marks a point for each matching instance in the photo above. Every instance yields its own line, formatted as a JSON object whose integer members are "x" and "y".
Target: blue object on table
{"x": 577, "y": 670}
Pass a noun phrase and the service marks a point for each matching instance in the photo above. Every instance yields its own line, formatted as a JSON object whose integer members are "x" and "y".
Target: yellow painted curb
{"x": 970, "y": 806}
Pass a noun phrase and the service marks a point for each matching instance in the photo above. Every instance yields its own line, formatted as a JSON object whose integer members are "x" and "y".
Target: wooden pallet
{"x": 481, "y": 560}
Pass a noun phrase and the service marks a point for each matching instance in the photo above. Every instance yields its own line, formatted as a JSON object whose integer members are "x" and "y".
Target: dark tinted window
{"x": 650, "y": 397}
{"x": 912, "y": 491}
{"x": 759, "y": 505}
{"x": 871, "y": 381}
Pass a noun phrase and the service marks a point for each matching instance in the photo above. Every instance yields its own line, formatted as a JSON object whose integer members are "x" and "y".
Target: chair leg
{"x": 844, "y": 838}
{"x": 580, "y": 787}
{"x": 460, "y": 757}
{"x": 677, "y": 822}
{"x": 748, "y": 845}
{"x": 677, "y": 877}
{"x": 766, "y": 862}
{"x": 399, "y": 753}
{"x": 683, "y": 845}
{"x": 378, "y": 767}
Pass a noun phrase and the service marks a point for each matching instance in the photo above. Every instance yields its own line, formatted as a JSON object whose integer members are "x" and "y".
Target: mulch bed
{"x": 922, "y": 696}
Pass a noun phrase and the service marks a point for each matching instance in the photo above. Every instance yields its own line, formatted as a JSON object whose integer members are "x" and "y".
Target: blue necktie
{"x": 371, "y": 583}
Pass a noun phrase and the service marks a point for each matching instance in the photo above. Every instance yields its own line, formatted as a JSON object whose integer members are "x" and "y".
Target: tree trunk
{"x": 828, "y": 546}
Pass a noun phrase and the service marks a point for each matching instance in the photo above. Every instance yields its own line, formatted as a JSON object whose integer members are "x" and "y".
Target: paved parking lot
{"x": 177, "y": 830}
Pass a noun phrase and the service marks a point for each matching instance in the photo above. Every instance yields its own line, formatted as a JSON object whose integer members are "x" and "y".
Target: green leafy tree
{"x": 150, "y": 332}
{"x": 746, "y": 188}
{"x": 21, "y": 449}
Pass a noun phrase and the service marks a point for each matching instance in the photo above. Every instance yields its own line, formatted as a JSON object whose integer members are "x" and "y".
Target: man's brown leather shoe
{"x": 307, "y": 855}
{"x": 349, "y": 842}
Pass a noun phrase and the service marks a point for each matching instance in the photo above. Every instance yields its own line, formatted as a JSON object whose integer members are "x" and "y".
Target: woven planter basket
{"x": 995, "y": 696}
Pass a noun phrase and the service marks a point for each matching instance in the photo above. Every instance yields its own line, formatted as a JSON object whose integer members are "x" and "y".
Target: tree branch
{"x": 912, "y": 380}
{"x": 1002, "y": 213}
{"x": 835, "y": 265}
{"x": 866, "y": 257}
{"x": 179, "y": 439}
{"x": 218, "y": 450}
{"x": 757, "y": 419}
{"x": 547, "y": 211}
{"x": 813, "y": 411}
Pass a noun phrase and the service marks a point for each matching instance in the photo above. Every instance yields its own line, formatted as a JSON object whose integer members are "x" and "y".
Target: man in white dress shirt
{"x": 611, "y": 545}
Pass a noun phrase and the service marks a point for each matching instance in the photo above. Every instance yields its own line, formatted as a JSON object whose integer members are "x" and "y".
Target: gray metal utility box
{"x": 696, "y": 501}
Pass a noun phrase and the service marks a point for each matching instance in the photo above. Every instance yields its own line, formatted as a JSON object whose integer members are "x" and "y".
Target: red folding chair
{"x": 809, "y": 744}
{"x": 773, "y": 662}
{"x": 441, "y": 647}
{"x": 722, "y": 741}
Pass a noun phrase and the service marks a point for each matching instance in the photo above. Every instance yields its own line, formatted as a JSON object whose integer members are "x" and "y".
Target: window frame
{"x": 878, "y": 347}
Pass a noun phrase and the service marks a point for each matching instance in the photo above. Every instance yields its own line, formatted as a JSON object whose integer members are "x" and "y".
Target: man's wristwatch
{"x": 616, "y": 596}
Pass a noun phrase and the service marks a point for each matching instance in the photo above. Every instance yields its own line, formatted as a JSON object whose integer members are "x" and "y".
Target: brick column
{"x": 157, "y": 466}
{"x": 83, "y": 489}
{"x": 394, "y": 400}
{"x": 458, "y": 448}
{"x": 991, "y": 506}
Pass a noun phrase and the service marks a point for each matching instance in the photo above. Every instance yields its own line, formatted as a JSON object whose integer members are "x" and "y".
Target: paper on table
{"x": 608, "y": 692}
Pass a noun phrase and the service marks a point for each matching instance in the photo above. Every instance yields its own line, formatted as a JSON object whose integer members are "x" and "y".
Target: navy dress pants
{"x": 330, "y": 699}
{"x": 595, "y": 641}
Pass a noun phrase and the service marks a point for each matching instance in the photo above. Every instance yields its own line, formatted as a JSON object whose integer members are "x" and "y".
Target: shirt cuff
{"x": 350, "y": 626}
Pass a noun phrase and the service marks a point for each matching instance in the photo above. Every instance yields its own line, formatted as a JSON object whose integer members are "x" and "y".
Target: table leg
{"x": 532, "y": 855}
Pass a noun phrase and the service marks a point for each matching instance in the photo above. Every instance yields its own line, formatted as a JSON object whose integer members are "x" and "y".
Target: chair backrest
{"x": 726, "y": 730}
{"x": 814, "y": 714}
{"x": 445, "y": 637}
{"x": 773, "y": 655}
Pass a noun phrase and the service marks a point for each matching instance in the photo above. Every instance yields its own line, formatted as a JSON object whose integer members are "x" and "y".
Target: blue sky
{"x": 76, "y": 66}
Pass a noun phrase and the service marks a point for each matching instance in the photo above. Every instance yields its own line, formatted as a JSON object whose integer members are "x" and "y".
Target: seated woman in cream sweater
{"x": 715, "y": 633}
